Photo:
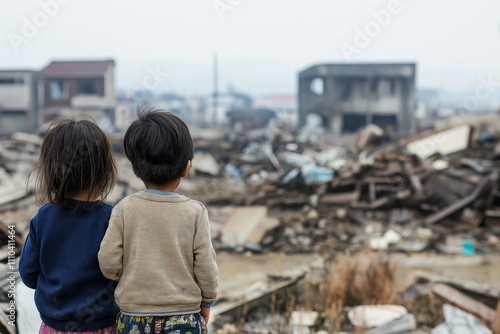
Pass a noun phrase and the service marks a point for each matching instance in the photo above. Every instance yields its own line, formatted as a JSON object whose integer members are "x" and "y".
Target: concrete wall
{"x": 109, "y": 87}
{"x": 17, "y": 101}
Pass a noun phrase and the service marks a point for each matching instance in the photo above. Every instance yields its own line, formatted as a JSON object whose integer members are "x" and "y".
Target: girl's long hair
{"x": 75, "y": 158}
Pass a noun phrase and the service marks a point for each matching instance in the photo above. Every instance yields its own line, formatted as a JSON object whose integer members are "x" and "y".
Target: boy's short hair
{"x": 75, "y": 157}
{"x": 159, "y": 145}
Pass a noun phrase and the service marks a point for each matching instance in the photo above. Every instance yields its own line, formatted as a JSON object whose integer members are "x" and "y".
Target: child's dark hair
{"x": 159, "y": 145}
{"x": 75, "y": 158}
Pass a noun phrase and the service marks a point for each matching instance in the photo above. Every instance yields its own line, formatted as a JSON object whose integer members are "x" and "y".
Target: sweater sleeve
{"x": 205, "y": 267}
{"x": 111, "y": 251}
{"x": 29, "y": 264}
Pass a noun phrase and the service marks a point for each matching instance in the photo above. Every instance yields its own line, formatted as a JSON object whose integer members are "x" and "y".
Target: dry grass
{"x": 363, "y": 279}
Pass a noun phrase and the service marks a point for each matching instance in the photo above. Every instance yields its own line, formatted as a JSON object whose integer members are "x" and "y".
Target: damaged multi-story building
{"x": 31, "y": 98}
{"x": 74, "y": 87}
{"x": 348, "y": 97}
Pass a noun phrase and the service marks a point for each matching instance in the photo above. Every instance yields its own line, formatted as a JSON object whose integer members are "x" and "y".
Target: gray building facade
{"x": 29, "y": 99}
{"x": 351, "y": 96}
{"x": 18, "y": 110}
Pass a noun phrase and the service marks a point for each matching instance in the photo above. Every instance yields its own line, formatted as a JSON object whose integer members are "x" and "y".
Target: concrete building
{"x": 194, "y": 109}
{"x": 17, "y": 101}
{"x": 74, "y": 87}
{"x": 350, "y": 96}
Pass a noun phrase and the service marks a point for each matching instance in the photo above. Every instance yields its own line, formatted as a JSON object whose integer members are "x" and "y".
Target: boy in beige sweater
{"x": 158, "y": 246}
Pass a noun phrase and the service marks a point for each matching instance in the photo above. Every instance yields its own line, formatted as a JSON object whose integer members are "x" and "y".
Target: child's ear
{"x": 186, "y": 170}
{"x": 133, "y": 170}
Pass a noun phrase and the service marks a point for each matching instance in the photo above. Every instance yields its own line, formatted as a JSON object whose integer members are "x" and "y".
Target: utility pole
{"x": 216, "y": 93}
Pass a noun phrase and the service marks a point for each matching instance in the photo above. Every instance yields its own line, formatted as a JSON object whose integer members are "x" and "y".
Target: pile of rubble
{"x": 436, "y": 191}
{"x": 17, "y": 156}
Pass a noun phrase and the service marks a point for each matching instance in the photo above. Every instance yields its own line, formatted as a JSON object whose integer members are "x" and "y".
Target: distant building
{"x": 244, "y": 119}
{"x": 73, "y": 87}
{"x": 277, "y": 102}
{"x": 194, "y": 110}
{"x": 217, "y": 114}
{"x": 18, "y": 101}
{"x": 428, "y": 103}
{"x": 124, "y": 116}
{"x": 428, "y": 106}
{"x": 170, "y": 102}
{"x": 284, "y": 105}
{"x": 350, "y": 96}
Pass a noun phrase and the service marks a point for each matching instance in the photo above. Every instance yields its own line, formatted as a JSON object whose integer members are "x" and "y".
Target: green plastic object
{"x": 468, "y": 247}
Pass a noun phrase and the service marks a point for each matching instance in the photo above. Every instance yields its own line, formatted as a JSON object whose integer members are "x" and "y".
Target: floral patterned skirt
{"x": 177, "y": 324}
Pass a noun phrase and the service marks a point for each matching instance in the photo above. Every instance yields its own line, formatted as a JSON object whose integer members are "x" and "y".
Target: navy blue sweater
{"x": 59, "y": 260}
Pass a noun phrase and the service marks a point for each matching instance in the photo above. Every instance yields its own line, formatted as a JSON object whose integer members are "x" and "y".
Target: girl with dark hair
{"x": 75, "y": 172}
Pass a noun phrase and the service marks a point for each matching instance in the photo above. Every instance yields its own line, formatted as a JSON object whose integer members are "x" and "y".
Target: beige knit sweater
{"x": 159, "y": 250}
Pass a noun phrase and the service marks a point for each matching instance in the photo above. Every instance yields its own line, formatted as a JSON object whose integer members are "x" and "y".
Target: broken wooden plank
{"x": 290, "y": 202}
{"x": 454, "y": 207}
{"x": 474, "y": 165}
{"x": 5, "y": 230}
{"x": 382, "y": 201}
{"x": 354, "y": 216}
{"x": 375, "y": 204}
{"x": 371, "y": 188}
{"x": 11, "y": 194}
{"x": 416, "y": 183}
{"x": 340, "y": 198}
{"x": 466, "y": 303}
{"x": 442, "y": 141}
{"x": 252, "y": 301}
{"x": 385, "y": 180}
{"x": 265, "y": 225}
{"x": 241, "y": 223}
{"x": 474, "y": 287}
{"x": 492, "y": 217}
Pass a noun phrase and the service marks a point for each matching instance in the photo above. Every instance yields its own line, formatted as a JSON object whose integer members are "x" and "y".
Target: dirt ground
{"x": 239, "y": 272}
{"x": 484, "y": 269}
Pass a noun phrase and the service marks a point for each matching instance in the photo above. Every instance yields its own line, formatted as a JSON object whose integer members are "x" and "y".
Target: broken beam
{"x": 452, "y": 208}
{"x": 464, "y": 302}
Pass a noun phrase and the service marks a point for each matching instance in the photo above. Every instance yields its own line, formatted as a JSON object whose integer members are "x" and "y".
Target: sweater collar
{"x": 154, "y": 196}
{"x": 159, "y": 192}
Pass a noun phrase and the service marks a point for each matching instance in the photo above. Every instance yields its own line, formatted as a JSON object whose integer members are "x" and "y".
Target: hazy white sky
{"x": 261, "y": 44}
